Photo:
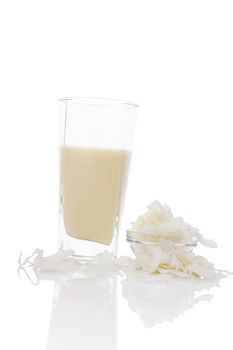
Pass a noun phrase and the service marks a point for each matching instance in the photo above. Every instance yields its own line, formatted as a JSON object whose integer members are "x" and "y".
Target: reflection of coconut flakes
{"x": 156, "y": 300}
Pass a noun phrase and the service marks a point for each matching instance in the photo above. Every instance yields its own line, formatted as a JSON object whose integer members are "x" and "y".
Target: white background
{"x": 173, "y": 58}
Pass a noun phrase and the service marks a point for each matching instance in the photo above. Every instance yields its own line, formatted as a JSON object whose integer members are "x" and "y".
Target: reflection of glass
{"x": 161, "y": 299}
{"x": 96, "y": 140}
{"x": 84, "y": 315}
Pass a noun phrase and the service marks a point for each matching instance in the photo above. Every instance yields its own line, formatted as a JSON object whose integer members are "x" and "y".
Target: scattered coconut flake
{"x": 206, "y": 242}
{"x": 59, "y": 262}
{"x": 105, "y": 258}
{"x": 103, "y": 264}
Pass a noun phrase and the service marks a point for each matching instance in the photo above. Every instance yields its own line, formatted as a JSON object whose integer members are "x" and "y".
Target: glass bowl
{"x": 137, "y": 238}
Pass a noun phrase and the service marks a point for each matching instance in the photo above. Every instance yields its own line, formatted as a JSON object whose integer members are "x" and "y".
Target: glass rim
{"x": 99, "y": 102}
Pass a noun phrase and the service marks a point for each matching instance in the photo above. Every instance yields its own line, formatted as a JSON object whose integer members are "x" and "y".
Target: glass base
{"x": 87, "y": 250}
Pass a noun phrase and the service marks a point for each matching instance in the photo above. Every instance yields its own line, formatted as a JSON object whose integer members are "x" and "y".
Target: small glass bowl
{"x": 134, "y": 238}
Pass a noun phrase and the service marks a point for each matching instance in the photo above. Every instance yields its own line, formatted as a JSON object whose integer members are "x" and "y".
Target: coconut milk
{"x": 93, "y": 188}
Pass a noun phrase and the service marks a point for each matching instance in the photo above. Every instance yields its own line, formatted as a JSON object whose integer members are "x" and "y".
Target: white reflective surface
{"x": 84, "y": 315}
{"x": 92, "y": 310}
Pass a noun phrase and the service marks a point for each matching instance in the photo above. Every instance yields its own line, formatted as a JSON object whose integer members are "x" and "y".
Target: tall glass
{"x": 95, "y": 150}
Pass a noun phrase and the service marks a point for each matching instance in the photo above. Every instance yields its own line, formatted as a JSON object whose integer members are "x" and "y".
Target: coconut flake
{"x": 210, "y": 243}
{"x": 59, "y": 262}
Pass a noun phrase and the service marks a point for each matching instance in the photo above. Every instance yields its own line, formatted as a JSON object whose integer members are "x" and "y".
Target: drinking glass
{"x": 95, "y": 148}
